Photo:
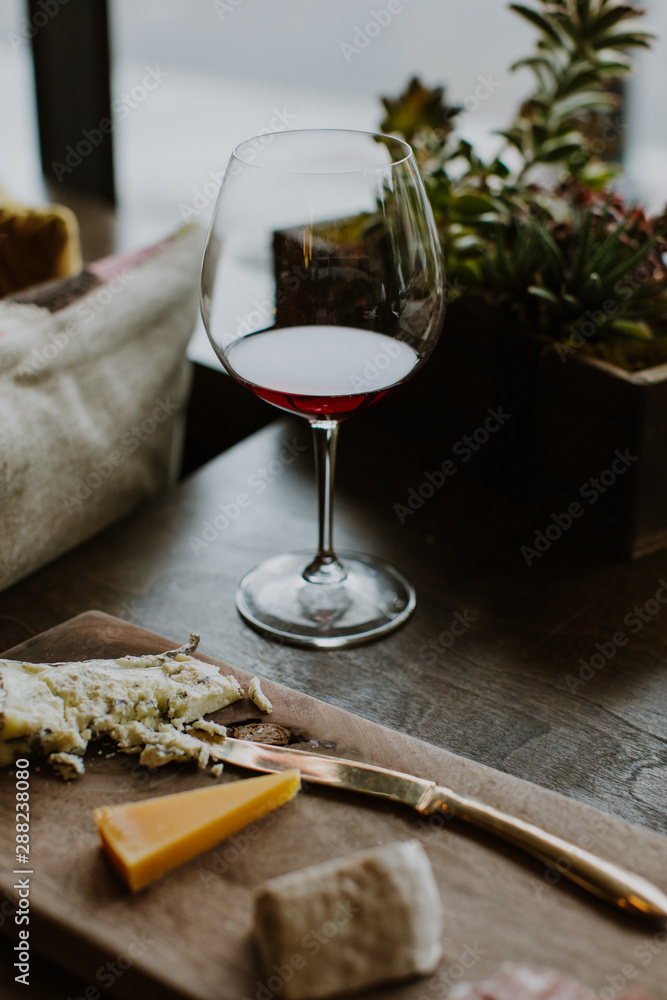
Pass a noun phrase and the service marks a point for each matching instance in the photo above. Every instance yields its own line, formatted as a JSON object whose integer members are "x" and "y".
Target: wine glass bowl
{"x": 322, "y": 290}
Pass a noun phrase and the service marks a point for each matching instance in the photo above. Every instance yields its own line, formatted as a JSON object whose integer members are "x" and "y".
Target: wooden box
{"x": 568, "y": 429}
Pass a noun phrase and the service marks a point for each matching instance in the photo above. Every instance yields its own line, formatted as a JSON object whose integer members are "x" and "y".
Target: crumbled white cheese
{"x": 138, "y": 702}
{"x": 206, "y": 726}
{"x": 256, "y": 694}
{"x": 155, "y": 756}
{"x": 216, "y": 770}
{"x": 66, "y": 765}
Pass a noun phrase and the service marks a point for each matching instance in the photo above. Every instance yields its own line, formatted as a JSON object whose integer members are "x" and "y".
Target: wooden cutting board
{"x": 189, "y": 935}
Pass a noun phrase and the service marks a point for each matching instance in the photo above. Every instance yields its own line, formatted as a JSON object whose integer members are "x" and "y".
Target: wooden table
{"x": 538, "y": 684}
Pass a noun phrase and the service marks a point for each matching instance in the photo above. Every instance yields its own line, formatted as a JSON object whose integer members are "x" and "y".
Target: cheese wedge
{"x": 376, "y": 915}
{"x": 146, "y": 839}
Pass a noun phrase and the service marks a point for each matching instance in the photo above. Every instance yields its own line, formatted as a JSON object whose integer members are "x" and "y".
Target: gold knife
{"x": 605, "y": 879}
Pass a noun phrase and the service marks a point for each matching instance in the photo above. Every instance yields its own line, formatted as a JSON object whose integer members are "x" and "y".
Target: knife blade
{"x": 605, "y": 879}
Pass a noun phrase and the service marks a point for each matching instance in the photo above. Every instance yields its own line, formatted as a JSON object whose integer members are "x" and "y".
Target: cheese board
{"x": 188, "y": 936}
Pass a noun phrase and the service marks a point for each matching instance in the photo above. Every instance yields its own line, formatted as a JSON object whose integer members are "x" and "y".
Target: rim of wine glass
{"x": 394, "y": 162}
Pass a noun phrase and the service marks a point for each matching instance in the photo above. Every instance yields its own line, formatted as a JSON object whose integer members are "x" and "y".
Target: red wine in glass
{"x": 321, "y": 370}
{"x": 323, "y": 289}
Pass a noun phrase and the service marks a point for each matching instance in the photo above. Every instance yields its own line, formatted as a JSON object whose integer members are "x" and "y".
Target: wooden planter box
{"x": 578, "y": 431}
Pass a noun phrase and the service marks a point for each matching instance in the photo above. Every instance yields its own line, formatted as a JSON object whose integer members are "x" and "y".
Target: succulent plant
{"x": 538, "y": 229}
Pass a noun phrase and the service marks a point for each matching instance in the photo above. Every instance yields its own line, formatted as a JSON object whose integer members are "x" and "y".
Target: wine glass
{"x": 323, "y": 289}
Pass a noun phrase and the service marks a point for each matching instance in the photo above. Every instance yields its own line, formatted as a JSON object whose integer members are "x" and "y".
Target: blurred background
{"x": 229, "y": 69}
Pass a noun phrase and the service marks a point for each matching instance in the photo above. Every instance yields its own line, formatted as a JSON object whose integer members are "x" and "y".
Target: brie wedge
{"x": 142, "y": 703}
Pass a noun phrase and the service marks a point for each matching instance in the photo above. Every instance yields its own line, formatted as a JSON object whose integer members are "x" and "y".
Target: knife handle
{"x": 603, "y": 878}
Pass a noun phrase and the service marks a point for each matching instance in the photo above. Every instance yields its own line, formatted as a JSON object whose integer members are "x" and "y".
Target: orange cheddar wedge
{"x": 146, "y": 839}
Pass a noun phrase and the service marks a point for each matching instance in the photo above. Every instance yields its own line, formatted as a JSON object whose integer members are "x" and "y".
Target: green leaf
{"x": 556, "y": 150}
{"x": 636, "y": 329}
{"x": 586, "y": 100}
{"x": 582, "y": 245}
{"x": 551, "y": 248}
{"x": 611, "y": 61}
{"x": 605, "y": 252}
{"x": 607, "y": 20}
{"x": 514, "y": 136}
{"x": 538, "y": 21}
{"x": 624, "y": 40}
{"x": 472, "y": 203}
{"x": 469, "y": 245}
{"x": 499, "y": 168}
{"x": 584, "y": 7}
{"x": 539, "y": 135}
{"x": 633, "y": 261}
{"x": 576, "y": 78}
{"x": 538, "y": 292}
{"x": 532, "y": 61}
{"x": 597, "y": 175}
{"x": 572, "y": 301}
{"x": 572, "y": 29}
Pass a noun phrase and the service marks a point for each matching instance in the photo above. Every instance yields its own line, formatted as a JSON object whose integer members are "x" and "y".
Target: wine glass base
{"x": 278, "y": 601}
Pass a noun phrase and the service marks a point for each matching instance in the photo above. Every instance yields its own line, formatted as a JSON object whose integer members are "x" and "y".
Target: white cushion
{"x": 93, "y": 386}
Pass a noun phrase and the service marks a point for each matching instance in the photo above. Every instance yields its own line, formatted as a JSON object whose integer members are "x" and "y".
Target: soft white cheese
{"x": 384, "y": 905}
{"x": 136, "y": 701}
{"x": 256, "y": 694}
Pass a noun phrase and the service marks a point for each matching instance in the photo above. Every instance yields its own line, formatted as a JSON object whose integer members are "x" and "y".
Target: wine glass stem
{"x": 325, "y": 567}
